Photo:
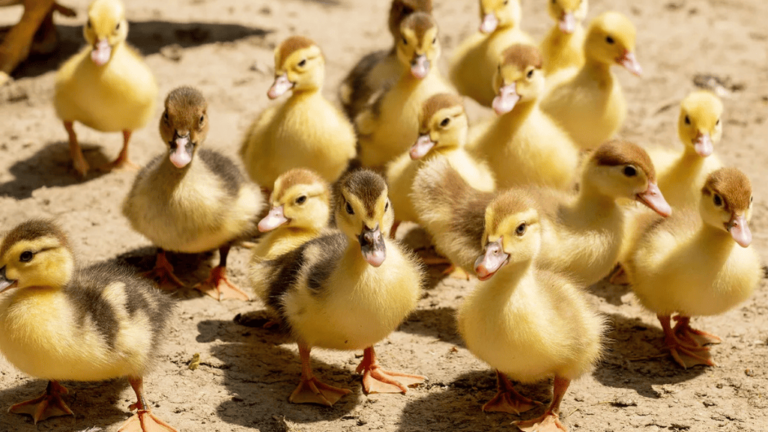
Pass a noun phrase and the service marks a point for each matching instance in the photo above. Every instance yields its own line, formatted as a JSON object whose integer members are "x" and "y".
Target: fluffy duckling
{"x": 305, "y": 131}
{"x": 477, "y": 58}
{"x": 689, "y": 264}
{"x": 589, "y": 102}
{"x": 61, "y": 322}
{"x": 442, "y": 131}
{"x": 378, "y": 69}
{"x": 523, "y": 309}
{"x": 563, "y": 47}
{"x": 348, "y": 290}
{"x": 192, "y": 200}
{"x": 523, "y": 145}
{"x": 106, "y": 86}
{"x": 390, "y": 124}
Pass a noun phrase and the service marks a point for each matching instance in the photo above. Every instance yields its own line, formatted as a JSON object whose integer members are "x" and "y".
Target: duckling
{"x": 690, "y": 264}
{"x": 588, "y": 101}
{"x": 106, "y": 86}
{"x": 442, "y": 131}
{"x": 524, "y": 309}
{"x": 62, "y": 322}
{"x": 563, "y": 47}
{"x": 378, "y": 69}
{"x": 390, "y": 124}
{"x": 477, "y": 58}
{"x": 305, "y": 131}
{"x": 193, "y": 200}
{"x": 524, "y": 146}
{"x": 349, "y": 289}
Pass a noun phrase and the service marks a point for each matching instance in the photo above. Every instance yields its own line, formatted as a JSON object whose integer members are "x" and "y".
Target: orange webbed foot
{"x": 507, "y": 399}
{"x": 145, "y": 421}
{"x": 688, "y": 357}
{"x": 549, "y": 422}
{"x": 312, "y": 391}
{"x": 50, "y": 404}
{"x": 378, "y": 380}
{"x": 219, "y": 287}
{"x": 121, "y": 164}
{"x": 163, "y": 274}
{"x": 685, "y": 332}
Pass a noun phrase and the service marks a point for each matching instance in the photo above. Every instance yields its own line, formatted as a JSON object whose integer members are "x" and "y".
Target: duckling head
{"x": 301, "y": 199}
{"x": 418, "y": 46}
{"x": 363, "y": 212}
{"x": 299, "y": 66}
{"x": 512, "y": 233}
{"x": 495, "y": 14}
{"x": 621, "y": 169}
{"x": 35, "y": 254}
{"x": 568, "y": 13}
{"x": 611, "y": 39}
{"x": 106, "y": 28}
{"x": 519, "y": 77}
{"x": 726, "y": 203}
{"x": 699, "y": 125}
{"x": 184, "y": 124}
{"x": 401, "y": 9}
{"x": 442, "y": 125}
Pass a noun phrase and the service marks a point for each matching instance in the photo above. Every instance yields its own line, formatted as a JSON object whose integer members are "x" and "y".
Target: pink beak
{"x": 653, "y": 198}
{"x": 181, "y": 157}
{"x": 703, "y": 145}
{"x": 739, "y": 230}
{"x": 101, "y": 52}
{"x": 630, "y": 63}
{"x": 280, "y": 86}
{"x": 567, "y": 23}
{"x": 494, "y": 259}
{"x": 506, "y": 100}
{"x": 422, "y": 146}
{"x": 420, "y": 67}
{"x": 274, "y": 219}
{"x": 489, "y": 24}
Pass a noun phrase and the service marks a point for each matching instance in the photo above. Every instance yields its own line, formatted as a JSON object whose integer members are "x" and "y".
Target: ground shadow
{"x": 635, "y": 358}
{"x": 261, "y": 374}
{"x": 610, "y": 292}
{"x": 149, "y": 37}
{"x": 439, "y": 323}
{"x": 51, "y": 166}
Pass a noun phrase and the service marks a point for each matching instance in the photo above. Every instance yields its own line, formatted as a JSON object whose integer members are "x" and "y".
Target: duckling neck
{"x": 443, "y": 150}
{"x": 597, "y": 68}
{"x": 305, "y": 93}
{"x": 715, "y": 240}
{"x": 508, "y": 279}
{"x": 591, "y": 201}
{"x": 522, "y": 111}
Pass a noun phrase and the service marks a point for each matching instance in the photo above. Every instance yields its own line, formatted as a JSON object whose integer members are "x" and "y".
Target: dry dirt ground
{"x": 224, "y": 47}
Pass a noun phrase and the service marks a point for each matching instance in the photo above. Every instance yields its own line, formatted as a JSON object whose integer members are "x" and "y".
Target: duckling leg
{"x": 685, "y": 355}
{"x": 310, "y": 389}
{"x": 47, "y": 38}
{"x": 684, "y": 331}
{"x": 217, "y": 285}
{"x": 507, "y": 399}
{"x": 163, "y": 274}
{"x": 378, "y": 380}
{"x": 123, "y": 162}
{"x": 78, "y": 160}
{"x": 50, "y": 404}
{"x": 17, "y": 43}
{"x": 143, "y": 420}
{"x": 550, "y": 421}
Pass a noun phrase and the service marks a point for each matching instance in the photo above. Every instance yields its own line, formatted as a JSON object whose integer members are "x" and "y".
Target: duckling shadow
{"x": 50, "y": 166}
{"x": 148, "y": 36}
{"x": 611, "y": 293}
{"x": 635, "y": 358}
{"x": 439, "y": 323}
{"x": 459, "y": 406}
{"x": 261, "y": 373}
{"x": 95, "y": 404}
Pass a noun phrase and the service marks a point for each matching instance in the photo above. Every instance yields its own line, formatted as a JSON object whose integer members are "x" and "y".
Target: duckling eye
{"x": 520, "y": 230}
{"x": 405, "y": 41}
{"x": 303, "y": 63}
{"x": 386, "y": 206}
{"x": 609, "y": 40}
{"x": 434, "y": 41}
{"x": 349, "y": 209}
{"x": 117, "y": 27}
{"x": 88, "y": 24}
{"x": 26, "y": 256}
{"x": 630, "y": 171}
{"x": 165, "y": 116}
{"x": 301, "y": 200}
{"x": 688, "y": 120}
{"x": 718, "y": 201}
{"x": 202, "y": 118}
{"x": 718, "y": 122}
{"x": 530, "y": 74}
{"x": 446, "y": 121}
{"x": 505, "y": 2}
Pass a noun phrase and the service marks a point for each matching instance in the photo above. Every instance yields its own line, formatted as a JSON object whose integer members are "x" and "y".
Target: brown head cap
{"x": 296, "y": 176}
{"x": 732, "y": 185}
{"x": 402, "y": 8}
{"x": 32, "y": 230}
{"x": 435, "y": 103}
{"x": 420, "y": 23}
{"x": 619, "y": 152}
{"x": 291, "y": 45}
{"x": 522, "y": 56}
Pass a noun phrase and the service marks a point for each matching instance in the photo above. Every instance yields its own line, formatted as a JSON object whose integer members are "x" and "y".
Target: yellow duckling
{"x": 348, "y": 290}
{"x": 442, "y": 131}
{"x": 106, "y": 86}
{"x": 62, "y": 322}
{"x": 378, "y": 69}
{"x": 477, "y": 58}
{"x": 305, "y": 131}
{"x": 192, "y": 200}
{"x": 523, "y": 145}
{"x": 527, "y": 323}
{"x": 390, "y": 124}
{"x": 690, "y": 264}
{"x": 589, "y": 102}
{"x": 563, "y": 47}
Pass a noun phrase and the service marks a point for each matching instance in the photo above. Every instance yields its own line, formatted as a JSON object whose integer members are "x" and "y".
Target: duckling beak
{"x": 739, "y": 230}
{"x": 703, "y": 145}
{"x": 567, "y": 22}
{"x": 6, "y": 284}
{"x": 420, "y": 66}
{"x": 506, "y": 100}
{"x": 494, "y": 259}
{"x": 274, "y": 219}
{"x": 101, "y": 52}
{"x": 421, "y": 147}
{"x": 372, "y": 246}
{"x": 280, "y": 86}
{"x": 489, "y": 24}
{"x": 181, "y": 151}
{"x": 653, "y": 198}
{"x": 630, "y": 63}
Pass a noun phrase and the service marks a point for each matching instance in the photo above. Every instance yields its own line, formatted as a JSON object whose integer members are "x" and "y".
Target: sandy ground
{"x": 246, "y": 374}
